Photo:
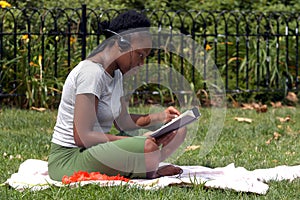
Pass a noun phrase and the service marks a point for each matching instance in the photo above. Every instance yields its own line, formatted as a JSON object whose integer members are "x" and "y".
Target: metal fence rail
{"x": 254, "y": 52}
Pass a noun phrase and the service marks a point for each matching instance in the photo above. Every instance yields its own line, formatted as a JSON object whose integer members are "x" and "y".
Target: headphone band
{"x": 123, "y": 43}
{"x": 113, "y": 32}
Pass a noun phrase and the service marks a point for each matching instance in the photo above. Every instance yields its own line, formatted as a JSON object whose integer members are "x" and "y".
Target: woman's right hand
{"x": 148, "y": 134}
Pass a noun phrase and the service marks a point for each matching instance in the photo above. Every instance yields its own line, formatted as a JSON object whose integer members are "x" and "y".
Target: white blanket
{"x": 33, "y": 175}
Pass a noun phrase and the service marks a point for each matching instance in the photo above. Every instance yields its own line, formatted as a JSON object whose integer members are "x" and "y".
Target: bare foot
{"x": 167, "y": 170}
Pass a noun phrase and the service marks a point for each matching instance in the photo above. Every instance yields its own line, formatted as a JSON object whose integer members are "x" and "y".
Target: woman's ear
{"x": 124, "y": 44}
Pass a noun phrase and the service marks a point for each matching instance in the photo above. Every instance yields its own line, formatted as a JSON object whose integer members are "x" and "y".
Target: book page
{"x": 184, "y": 119}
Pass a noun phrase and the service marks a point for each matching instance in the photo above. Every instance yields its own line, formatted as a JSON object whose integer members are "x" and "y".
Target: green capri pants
{"x": 124, "y": 157}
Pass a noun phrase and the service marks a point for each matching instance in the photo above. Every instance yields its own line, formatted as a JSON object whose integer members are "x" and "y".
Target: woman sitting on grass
{"x": 91, "y": 103}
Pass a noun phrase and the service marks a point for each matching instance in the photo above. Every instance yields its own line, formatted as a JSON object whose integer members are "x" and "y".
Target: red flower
{"x": 93, "y": 176}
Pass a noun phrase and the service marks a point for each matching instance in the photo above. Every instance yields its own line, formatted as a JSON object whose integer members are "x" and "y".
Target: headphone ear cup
{"x": 123, "y": 44}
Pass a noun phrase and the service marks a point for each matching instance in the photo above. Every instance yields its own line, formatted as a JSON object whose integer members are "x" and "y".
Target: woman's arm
{"x": 127, "y": 121}
{"x": 151, "y": 119}
{"x": 84, "y": 120}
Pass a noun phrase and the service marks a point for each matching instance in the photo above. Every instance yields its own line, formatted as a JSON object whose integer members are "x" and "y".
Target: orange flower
{"x": 32, "y": 64}
{"x": 72, "y": 40}
{"x": 208, "y": 47}
{"x": 93, "y": 176}
{"x": 4, "y": 4}
{"x": 25, "y": 38}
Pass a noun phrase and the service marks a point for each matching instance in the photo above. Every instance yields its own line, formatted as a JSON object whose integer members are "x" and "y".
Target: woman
{"x": 91, "y": 103}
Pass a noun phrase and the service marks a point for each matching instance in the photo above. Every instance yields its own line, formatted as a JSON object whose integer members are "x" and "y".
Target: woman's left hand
{"x": 170, "y": 113}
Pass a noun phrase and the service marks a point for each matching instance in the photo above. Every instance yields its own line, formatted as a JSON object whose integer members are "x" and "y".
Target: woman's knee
{"x": 152, "y": 155}
{"x": 181, "y": 133}
{"x": 150, "y": 146}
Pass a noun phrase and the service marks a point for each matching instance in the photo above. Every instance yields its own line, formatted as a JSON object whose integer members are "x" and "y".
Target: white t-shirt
{"x": 88, "y": 78}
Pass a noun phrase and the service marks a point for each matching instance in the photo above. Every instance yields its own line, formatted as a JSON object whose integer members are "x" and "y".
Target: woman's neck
{"x": 105, "y": 61}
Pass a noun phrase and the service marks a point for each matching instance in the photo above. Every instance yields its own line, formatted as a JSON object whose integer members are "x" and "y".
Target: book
{"x": 184, "y": 119}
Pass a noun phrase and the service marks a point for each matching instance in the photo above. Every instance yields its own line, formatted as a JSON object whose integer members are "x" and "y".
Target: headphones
{"x": 123, "y": 43}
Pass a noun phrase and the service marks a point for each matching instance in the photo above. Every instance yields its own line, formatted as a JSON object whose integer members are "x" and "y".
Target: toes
{"x": 169, "y": 170}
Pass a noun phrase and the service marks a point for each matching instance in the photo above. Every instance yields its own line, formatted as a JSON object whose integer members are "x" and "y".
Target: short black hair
{"x": 127, "y": 20}
{"x": 124, "y": 22}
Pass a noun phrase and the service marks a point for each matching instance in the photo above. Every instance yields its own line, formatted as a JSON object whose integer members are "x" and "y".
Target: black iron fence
{"x": 254, "y": 52}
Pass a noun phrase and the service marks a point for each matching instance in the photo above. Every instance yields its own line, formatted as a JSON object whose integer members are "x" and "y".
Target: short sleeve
{"x": 89, "y": 79}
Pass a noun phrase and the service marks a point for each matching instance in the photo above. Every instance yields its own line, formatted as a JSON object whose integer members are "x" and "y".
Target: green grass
{"x": 26, "y": 134}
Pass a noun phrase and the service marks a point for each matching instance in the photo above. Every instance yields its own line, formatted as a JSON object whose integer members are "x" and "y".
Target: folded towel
{"x": 228, "y": 177}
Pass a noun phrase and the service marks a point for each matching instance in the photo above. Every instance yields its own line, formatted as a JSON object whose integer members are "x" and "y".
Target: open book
{"x": 184, "y": 119}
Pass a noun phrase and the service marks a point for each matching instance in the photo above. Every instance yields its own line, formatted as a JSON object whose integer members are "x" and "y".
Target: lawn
{"x": 265, "y": 142}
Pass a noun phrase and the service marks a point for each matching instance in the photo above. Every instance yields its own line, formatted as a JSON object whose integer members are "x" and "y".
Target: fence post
{"x": 1, "y": 54}
{"x": 83, "y": 31}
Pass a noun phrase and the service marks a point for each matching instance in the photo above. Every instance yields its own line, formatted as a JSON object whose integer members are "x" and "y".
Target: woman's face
{"x": 135, "y": 57}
